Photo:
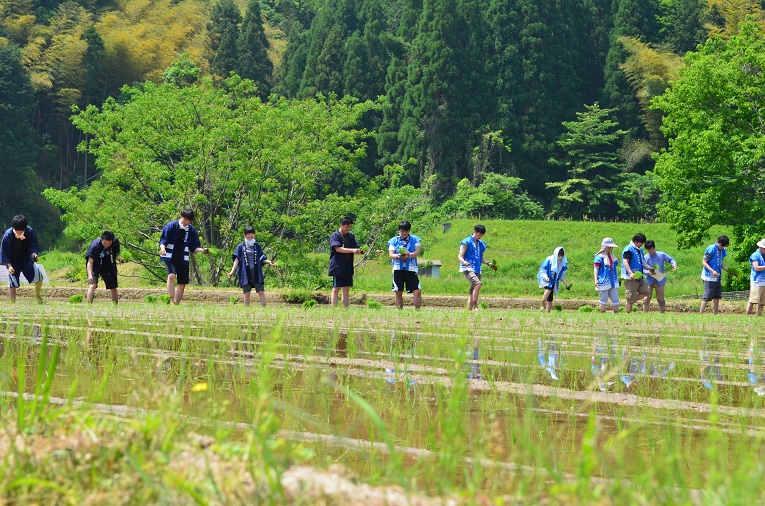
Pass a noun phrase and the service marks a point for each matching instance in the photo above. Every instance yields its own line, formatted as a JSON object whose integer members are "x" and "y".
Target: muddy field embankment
{"x": 223, "y": 296}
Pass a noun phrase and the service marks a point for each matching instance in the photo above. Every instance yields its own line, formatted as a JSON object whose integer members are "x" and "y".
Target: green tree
{"x": 224, "y": 152}
{"x": 682, "y": 26}
{"x": 252, "y": 45}
{"x": 223, "y": 29}
{"x": 593, "y": 187}
{"x": 714, "y": 118}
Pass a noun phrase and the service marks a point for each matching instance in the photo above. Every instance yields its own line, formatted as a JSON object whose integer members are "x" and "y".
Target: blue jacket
{"x": 636, "y": 262}
{"x": 179, "y": 243}
{"x": 473, "y": 254}
{"x": 757, "y": 278}
{"x": 554, "y": 271}
{"x": 242, "y": 275}
{"x": 411, "y": 262}
{"x": 7, "y": 248}
{"x": 607, "y": 275}
{"x": 714, "y": 257}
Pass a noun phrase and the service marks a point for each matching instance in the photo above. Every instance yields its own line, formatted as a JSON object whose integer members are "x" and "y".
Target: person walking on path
{"x": 178, "y": 242}
{"x": 403, "y": 251}
{"x": 19, "y": 255}
{"x": 342, "y": 247}
{"x": 551, "y": 273}
{"x": 248, "y": 267}
{"x": 757, "y": 279}
{"x": 655, "y": 274}
{"x": 606, "y": 276}
{"x": 712, "y": 267}
{"x": 471, "y": 260}
{"x": 635, "y": 286}
{"x": 101, "y": 261}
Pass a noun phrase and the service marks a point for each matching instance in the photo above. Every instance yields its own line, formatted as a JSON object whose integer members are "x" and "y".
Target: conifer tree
{"x": 252, "y": 46}
{"x": 224, "y": 34}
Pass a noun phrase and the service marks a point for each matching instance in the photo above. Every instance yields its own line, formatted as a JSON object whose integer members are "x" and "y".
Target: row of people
{"x": 642, "y": 272}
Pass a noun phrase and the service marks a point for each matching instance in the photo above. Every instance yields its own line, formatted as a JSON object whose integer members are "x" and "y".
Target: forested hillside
{"x": 544, "y": 103}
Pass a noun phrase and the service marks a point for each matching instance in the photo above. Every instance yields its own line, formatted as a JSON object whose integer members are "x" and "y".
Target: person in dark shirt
{"x": 19, "y": 255}
{"x": 101, "y": 261}
{"x": 342, "y": 247}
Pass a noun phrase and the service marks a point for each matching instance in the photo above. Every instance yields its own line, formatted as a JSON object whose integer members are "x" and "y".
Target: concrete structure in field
{"x": 431, "y": 268}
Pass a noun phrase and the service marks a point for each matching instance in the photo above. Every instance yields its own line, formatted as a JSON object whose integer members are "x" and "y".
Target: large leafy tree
{"x": 713, "y": 171}
{"x": 593, "y": 188}
{"x": 223, "y": 152}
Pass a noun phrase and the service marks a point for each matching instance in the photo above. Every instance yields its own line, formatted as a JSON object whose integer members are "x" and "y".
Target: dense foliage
{"x": 472, "y": 98}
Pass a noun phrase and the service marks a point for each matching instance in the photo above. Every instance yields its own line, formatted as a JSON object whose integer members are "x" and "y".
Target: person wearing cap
{"x": 551, "y": 273}
{"x": 757, "y": 279}
{"x": 712, "y": 263}
{"x": 403, "y": 251}
{"x": 655, "y": 274}
{"x": 342, "y": 247}
{"x": 635, "y": 286}
{"x": 606, "y": 276}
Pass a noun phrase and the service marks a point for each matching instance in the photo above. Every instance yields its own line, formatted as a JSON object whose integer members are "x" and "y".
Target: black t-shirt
{"x": 102, "y": 256}
{"x": 19, "y": 248}
{"x": 341, "y": 264}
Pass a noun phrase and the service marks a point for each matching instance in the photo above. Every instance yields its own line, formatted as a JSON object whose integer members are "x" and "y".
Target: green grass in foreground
{"x": 144, "y": 398}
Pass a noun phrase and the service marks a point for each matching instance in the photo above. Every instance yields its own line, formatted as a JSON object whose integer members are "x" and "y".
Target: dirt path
{"x": 223, "y": 296}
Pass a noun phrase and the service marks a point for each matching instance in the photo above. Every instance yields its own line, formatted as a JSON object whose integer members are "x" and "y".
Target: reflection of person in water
{"x": 601, "y": 363}
{"x": 548, "y": 355}
{"x": 401, "y": 350}
{"x": 756, "y": 369}
{"x": 710, "y": 372}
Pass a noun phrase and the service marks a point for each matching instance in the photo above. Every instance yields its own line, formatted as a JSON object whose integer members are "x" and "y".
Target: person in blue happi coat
{"x": 178, "y": 242}
{"x": 19, "y": 255}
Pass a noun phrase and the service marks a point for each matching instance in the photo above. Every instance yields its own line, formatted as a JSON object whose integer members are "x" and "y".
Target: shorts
{"x": 406, "y": 280}
{"x": 32, "y": 274}
{"x": 259, "y": 287}
{"x": 712, "y": 290}
{"x": 181, "y": 272}
{"x": 634, "y": 288}
{"x": 342, "y": 281}
{"x": 612, "y": 293}
{"x": 757, "y": 295}
{"x": 549, "y": 297}
{"x": 109, "y": 275}
{"x": 475, "y": 279}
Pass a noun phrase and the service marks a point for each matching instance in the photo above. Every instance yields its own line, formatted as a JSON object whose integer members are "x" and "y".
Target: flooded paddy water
{"x": 499, "y": 404}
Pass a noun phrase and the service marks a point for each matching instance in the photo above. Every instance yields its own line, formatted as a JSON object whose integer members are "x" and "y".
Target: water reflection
{"x": 602, "y": 360}
{"x": 756, "y": 367}
{"x": 401, "y": 351}
{"x": 710, "y": 370}
{"x": 548, "y": 355}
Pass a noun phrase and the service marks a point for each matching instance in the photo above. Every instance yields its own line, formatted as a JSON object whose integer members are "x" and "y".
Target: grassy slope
{"x": 520, "y": 246}
{"x": 517, "y": 246}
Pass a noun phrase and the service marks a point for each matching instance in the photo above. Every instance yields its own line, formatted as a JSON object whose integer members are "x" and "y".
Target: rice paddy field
{"x": 206, "y": 404}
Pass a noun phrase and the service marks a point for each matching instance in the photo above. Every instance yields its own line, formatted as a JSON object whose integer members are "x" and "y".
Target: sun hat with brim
{"x": 608, "y": 243}
{"x": 761, "y": 244}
